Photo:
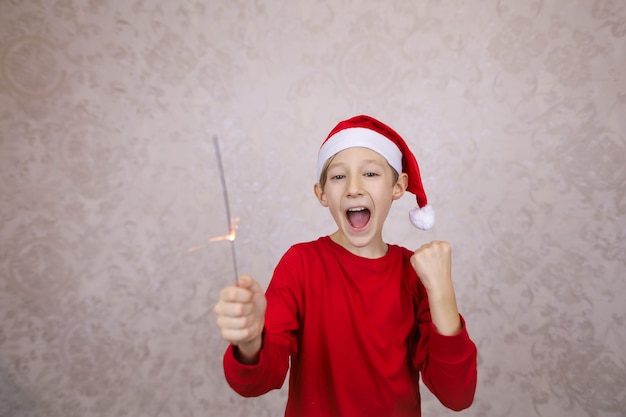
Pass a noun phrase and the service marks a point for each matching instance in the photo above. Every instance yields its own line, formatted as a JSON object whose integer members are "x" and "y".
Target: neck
{"x": 372, "y": 250}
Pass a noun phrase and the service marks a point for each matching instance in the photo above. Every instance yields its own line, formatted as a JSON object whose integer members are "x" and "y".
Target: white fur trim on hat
{"x": 360, "y": 137}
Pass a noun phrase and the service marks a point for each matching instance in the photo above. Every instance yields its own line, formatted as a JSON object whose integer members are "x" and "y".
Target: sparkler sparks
{"x": 230, "y": 236}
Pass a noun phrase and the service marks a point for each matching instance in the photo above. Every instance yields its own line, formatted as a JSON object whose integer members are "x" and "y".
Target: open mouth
{"x": 358, "y": 217}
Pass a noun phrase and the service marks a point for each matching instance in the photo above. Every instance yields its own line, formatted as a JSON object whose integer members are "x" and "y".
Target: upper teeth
{"x": 357, "y": 209}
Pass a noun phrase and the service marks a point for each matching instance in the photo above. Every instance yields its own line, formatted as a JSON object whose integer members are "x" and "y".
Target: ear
{"x": 400, "y": 186}
{"x": 319, "y": 193}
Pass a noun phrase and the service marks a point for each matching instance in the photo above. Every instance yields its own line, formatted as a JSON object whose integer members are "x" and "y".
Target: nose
{"x": 354, "y": 186}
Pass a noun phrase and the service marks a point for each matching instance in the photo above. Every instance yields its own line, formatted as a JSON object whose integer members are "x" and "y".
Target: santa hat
{"x": 367, "y": 132}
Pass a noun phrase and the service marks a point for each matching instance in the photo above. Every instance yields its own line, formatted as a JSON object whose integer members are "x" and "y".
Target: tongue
{"x": 358, "y": 219}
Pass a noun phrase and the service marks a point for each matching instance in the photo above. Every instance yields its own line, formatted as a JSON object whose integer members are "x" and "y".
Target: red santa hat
{"x": 367, "y": 132}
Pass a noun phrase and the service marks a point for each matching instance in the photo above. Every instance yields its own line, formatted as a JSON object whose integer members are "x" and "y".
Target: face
{"x": 360, "y": 187}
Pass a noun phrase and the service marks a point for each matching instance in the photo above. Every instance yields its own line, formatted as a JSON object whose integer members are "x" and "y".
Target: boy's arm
{"x": 257, "y": 360}
{"x": 241, "y": 316}
{"x": 447, "y": 365}
{"x": 433, "y": 265}
{"x": 446, "y": 356}
{"x": 266, "y": 374}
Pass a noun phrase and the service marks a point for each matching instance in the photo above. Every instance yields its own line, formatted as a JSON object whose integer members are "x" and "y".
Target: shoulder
{"x": 410, "y": 277}
{"x": 300, "y": 262}
{"x": 304, "y": 253}
{"x": 305, "y": 248}
{"x": 400, "y": 251}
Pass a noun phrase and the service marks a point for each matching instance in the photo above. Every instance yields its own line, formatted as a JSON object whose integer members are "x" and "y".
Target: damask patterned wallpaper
{"x": 516, "y": 111}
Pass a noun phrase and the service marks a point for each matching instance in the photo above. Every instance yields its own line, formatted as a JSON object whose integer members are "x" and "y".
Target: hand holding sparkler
{"x": 241, "y": 307}
{"x": 241, "y": 316}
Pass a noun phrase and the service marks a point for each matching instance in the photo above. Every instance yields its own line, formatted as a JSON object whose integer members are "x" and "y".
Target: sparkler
{"x": 232, "y": 221}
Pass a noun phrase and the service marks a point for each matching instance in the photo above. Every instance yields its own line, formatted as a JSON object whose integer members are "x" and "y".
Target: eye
{"x": 370, "y": 174}
{"x": 337, "y": 177}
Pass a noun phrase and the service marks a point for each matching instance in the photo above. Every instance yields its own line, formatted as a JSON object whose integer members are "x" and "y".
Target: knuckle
{"x": 250, "y": 332}
{"x": 221, "y": 308}
{"x": 224, "y": 292}
{"x": 239, "y": 310}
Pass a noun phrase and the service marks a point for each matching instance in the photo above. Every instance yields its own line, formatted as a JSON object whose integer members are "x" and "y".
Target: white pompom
{"x": 422, "y": 218}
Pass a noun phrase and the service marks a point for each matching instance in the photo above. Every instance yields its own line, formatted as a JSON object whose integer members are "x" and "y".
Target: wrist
{"x": 249, "y": 352}
{"x": 444, "y": 312}
{"x": 441, "y": 292}
{"x": 449, "y": 326}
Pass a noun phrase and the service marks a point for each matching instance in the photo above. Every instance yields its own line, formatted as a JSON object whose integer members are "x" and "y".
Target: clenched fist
{"x": 433, "y": 264}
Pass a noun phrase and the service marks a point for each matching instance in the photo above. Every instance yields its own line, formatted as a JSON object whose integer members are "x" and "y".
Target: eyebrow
{"x": 364, "y": 162}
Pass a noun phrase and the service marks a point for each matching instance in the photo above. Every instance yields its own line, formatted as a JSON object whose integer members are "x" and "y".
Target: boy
{"x": 360, "y": 319}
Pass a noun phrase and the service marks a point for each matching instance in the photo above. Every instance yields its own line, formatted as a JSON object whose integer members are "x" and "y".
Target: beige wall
{"x": 516, "y": 111}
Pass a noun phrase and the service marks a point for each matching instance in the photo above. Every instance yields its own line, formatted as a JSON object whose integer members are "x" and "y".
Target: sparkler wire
{"x": 218, "y": 155}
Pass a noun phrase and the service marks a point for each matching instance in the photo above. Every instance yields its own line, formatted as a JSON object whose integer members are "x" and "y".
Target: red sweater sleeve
{"x": 279, "y": 337}
{"x": 244, "y": 379}
{"x": 447, "y": 363}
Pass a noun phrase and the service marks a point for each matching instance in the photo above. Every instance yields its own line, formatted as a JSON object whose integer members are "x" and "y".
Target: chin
{"x": 366, "y": 240}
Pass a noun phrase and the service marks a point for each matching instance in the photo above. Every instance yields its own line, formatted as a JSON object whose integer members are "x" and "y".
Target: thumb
{"x": 257, "y": 295}
{"x": 246, "y": 281}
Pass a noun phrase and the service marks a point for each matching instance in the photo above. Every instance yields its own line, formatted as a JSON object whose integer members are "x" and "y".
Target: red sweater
{"x": 358, "y": 332}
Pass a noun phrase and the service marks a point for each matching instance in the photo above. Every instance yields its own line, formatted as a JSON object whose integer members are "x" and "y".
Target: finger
{"x": 256, "y": 288}
{"x": 440, "y": 244}
{"x": 424, "y": 247}
{"x": 245, "y": 281}
{"x": 232, "y": 294}
{"x": 233, "y": 309}
{"x": 431, "y": 244}
{"x": 236, "y": 336}
{"x": 233, "y": 323}
{"x": 434, "y": 246}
